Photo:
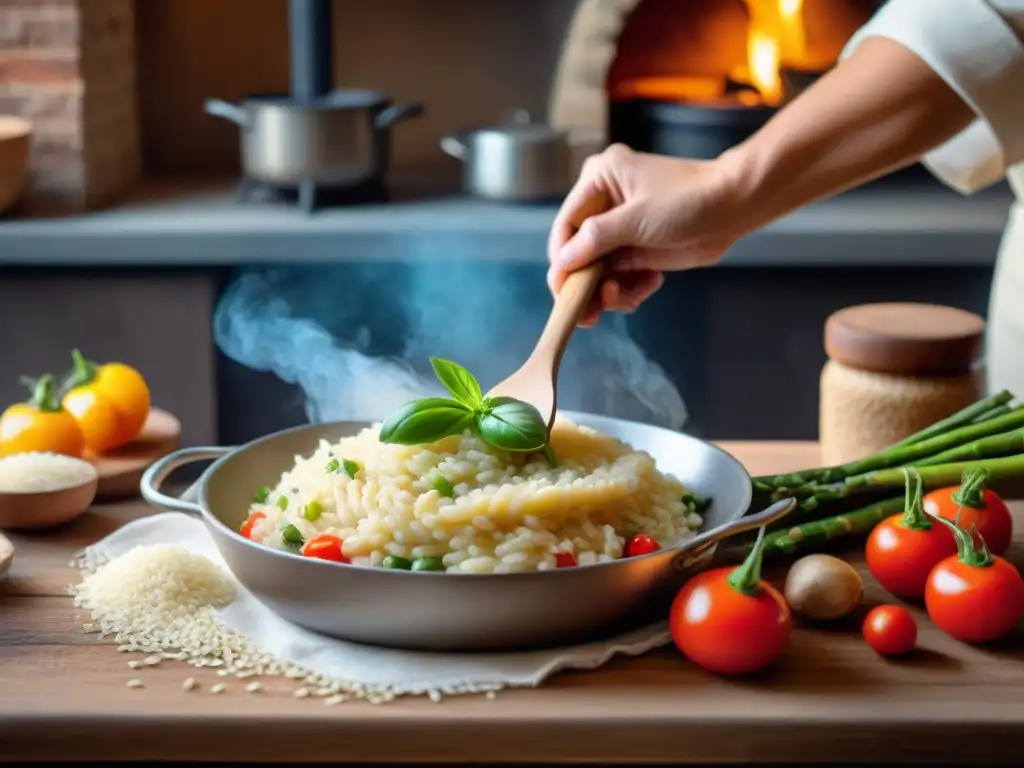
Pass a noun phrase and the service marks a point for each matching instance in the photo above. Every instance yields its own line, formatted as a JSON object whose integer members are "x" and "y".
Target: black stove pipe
{"x": 309, "y": 27}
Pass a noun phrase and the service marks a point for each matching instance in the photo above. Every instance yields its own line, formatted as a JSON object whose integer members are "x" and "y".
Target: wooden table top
{"x": 63, "y": 693}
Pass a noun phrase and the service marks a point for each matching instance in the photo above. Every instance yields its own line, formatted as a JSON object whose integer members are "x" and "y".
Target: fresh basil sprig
{"x": 504, "y": 422}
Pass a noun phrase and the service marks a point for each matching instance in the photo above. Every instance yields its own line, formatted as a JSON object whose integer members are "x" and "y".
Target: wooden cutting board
{"x": 121, "y": 470}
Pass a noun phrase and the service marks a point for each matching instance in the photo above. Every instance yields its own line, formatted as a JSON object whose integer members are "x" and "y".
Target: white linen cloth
{"x": 406, "y": 672}
{"x": 977, "y": 47}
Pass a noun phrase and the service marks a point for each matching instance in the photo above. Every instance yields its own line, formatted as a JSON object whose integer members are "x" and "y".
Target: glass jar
{"x": 894, "y": 369}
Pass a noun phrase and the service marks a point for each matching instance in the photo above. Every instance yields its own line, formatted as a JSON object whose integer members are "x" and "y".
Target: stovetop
{"x": 309, "y": 197}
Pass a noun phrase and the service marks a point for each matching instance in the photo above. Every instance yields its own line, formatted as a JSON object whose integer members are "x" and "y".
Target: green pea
{"x": 291, "y": 535}
{"x": 313, "y": 511}
{"x": 427, "y": 564}
{"x": 262, "y": 494}
{"x": 282, "y": 503}
{"x": 396, "y": 563}
{"x": 443, "y": 486}
{"x": 333, "y": 465}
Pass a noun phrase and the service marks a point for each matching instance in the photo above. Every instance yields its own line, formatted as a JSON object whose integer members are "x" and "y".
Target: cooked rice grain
{"x": 510, "y": 511}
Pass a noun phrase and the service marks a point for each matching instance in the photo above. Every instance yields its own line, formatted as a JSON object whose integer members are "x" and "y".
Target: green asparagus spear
{"x": 907, "y": 454}
{"x": 1003, "y": 444}
{"x": 808, "y": 537}
{"x": 962, "y": 417}
{"x": 997, "y": 411}
{"x": 1007, "y": 468}
{"x": 988, "y": 408}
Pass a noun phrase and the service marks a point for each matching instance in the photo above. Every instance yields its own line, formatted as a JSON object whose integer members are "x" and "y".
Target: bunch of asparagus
{"x": 850, "y": 499}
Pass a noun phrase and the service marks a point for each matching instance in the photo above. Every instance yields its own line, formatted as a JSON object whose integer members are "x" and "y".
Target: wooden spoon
{"x": 536, "y": 382}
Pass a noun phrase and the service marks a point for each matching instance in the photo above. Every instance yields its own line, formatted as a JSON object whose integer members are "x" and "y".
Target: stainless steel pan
{"x": 459, "y": 612}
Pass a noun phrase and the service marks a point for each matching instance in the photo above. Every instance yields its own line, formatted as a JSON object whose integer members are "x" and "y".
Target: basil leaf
{"x": 549, "y": 454}
{"x": 351, "y": 468}
{"x": 513, "y": 425}
{"x": 461, "y": 383}
{"x": 426, "y": 420}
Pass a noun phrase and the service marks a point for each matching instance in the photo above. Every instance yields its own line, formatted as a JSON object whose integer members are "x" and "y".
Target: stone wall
{"x": 69, "y": 66}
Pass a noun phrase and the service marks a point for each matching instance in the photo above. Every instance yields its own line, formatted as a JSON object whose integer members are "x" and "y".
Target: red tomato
{"x": 641, "y": 544}
{"x": 974, "y": 596}
{"x": 977, "y": 506}
{"x": 325, "y": 547}
{"x": 729, "y": 621}
{"x": 565, "y": 560}
{"x": 902, "y": 550}
{"x": 246, "y": 529}
{"x": 890, "y": 630}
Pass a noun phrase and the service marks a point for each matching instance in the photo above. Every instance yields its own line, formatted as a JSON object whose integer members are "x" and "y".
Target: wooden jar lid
{"x": 905, "y": 338}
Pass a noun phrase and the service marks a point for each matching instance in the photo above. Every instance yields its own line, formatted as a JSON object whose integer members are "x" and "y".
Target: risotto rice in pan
{"x": 461, "y": 505}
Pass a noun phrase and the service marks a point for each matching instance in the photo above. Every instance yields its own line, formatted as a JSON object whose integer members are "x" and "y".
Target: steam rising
{"x": 383, "y": 326}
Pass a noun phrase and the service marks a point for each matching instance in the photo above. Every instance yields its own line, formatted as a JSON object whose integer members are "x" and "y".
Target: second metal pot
{"x": 341, "y": 140}
{"x": 522, "y": 161}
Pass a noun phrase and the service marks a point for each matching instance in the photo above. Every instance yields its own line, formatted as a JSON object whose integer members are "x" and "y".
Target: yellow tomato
{"x": 41, "y": 424}
{"x": 111, "y": 402}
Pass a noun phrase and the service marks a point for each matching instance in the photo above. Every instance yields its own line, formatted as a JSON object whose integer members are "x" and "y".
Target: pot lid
{"x": 340, "y": 99}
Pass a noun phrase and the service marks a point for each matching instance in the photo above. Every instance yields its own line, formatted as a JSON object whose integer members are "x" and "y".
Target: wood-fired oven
{"x": 691, "y": 78}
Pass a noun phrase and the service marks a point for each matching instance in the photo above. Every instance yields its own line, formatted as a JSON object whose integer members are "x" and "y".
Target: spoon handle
{"x": 570, "y": 303}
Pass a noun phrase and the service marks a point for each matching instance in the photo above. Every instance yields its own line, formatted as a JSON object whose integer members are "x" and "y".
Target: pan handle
{"x": 153, "y": 478}
{"x": 776, "y": 511}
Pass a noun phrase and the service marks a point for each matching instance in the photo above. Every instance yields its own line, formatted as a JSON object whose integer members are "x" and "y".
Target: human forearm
{"x": 879, "y": 110}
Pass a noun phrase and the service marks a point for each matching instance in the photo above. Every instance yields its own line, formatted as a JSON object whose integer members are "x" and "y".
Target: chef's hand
{"x": 648, "y": 215}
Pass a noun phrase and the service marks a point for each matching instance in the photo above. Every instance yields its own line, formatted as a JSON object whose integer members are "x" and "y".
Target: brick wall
{"x": 69, "y": 66}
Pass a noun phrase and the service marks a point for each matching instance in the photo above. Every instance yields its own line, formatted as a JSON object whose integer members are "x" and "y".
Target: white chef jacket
{"x": 977, "y": 47}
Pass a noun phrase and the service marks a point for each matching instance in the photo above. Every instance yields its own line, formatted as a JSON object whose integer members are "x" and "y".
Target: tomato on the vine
{"x": 730, "y": 621}
{"x": 972, "y": 505}
{"x": 902, "y": 550}
{"x": 890, "y": 630}
{"x": 974, "y": 596}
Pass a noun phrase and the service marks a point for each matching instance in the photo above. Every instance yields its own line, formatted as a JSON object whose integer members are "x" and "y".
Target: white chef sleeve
{"x": 974, "y": 46}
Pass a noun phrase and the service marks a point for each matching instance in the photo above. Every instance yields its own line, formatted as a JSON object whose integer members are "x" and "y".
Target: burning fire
{"x": 775, "y": 36}
{"x": 740, "y": 55}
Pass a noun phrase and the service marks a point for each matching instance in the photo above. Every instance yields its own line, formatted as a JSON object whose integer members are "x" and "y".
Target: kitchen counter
{"x": 183, "y": 223}
{"x": 63, "y": 693}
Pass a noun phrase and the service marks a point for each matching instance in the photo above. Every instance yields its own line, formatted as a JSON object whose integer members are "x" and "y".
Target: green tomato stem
{"x": 44, "y": 394}
{"x": 970, "y": 493}
{"x": 968, "y": 550}
{"x": 914, "y": 517}
{"x": 746, "y": 578}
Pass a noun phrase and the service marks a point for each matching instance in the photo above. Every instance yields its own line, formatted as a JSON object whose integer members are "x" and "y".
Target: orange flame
{"x": 775, "y": 35}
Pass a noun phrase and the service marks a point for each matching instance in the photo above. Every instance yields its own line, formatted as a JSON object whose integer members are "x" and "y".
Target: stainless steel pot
{"x": 459, "y": 612}
{"x": 520, "y": 162}
{"x": 341, "y": 140}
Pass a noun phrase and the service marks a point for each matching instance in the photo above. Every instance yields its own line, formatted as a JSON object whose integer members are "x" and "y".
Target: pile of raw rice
{"x": 478, "y": 508}
{"x": 162, "y": 600}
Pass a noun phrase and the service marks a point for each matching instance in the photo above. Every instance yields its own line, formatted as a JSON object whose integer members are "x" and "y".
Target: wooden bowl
{"x": 36, "y": 510}
{"x": 15, "y": 137}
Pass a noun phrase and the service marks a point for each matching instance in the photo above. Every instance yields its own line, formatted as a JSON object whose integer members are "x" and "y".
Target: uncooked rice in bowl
{"x": 508, "y": 511}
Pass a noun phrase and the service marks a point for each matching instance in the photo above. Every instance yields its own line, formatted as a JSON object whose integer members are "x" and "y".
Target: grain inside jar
{"x": 893, "y": 369}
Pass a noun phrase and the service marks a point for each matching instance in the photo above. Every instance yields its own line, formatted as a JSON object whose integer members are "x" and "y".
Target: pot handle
{"x": 454, "y": 147}
{"x": 391, "y": 115}
{"x": 227, "y": 110}
{"x": 776, "y": 511}
{"x": 162, "y": 468}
